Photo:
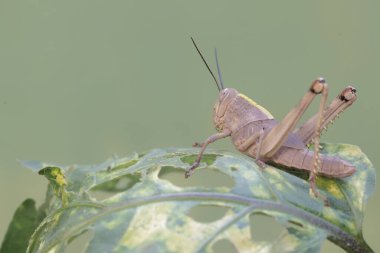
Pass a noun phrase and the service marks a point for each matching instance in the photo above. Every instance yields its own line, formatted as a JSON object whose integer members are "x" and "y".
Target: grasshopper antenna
{"x": 218, "y": 68}
{"x": 199, "y": 52}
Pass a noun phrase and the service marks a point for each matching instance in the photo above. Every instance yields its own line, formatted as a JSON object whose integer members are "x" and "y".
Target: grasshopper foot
{"x": 197, "y": 145}
{"x": 313, "y": 191}
{"x": 190, "y": 170}
{"x": 260, "y": 163}
{"x": 320, "y": 196}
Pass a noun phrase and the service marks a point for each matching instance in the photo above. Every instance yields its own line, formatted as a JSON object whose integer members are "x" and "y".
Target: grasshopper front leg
{"x": 209, "y": 140}
{"x": 277, "y": 135}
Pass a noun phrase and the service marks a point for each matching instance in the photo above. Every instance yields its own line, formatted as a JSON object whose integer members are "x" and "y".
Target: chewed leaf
{"x": 148, "y": 213}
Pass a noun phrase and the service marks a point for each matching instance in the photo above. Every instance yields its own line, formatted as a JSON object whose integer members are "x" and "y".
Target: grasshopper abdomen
{"x": 294, "y": 152}
{"x": 330, "y": 166}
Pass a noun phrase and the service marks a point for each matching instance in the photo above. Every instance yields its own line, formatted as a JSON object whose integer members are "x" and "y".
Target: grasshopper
{"x": 256, "y": 133}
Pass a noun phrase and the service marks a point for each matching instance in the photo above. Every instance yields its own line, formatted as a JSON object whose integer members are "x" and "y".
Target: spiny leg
{"x": 209, "y": 140}
{"x": 278, "y": 134}
{"x": 345, "y": 99}
{"x": 316, "y": 159}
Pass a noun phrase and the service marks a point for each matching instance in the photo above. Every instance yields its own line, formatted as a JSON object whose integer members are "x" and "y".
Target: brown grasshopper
{"x": 256, "y": 133}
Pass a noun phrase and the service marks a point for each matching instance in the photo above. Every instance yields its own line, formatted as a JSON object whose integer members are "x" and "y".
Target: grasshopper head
{"x": 226, "y": 96}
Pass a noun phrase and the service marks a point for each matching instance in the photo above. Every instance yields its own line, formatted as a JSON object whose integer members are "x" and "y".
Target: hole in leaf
{"x": 78, "y": 243}
{"x": 109, "y": 188}
{"x": 201, "y": 177}
{"x": 207, "y": 158}
{"x": 101, "y": 195}
{"x": 207, "y": 213}
{"x": 264, "y": 227}
{"x": 224, "y": 246}
{"x": 168, "y": 170}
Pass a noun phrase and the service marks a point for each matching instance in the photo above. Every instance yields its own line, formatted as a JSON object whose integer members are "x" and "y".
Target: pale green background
{"x": 82, "y": 80}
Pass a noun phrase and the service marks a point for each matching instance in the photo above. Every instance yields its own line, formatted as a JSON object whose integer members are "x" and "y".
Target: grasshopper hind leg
{"x": 277, "y": 136}
{"x": 310, "y": 131}
{"x": 339, "y": 104}
{"x": 316, "y": 165}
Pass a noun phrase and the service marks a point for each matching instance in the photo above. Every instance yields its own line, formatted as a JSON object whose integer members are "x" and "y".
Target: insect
{"x": 255, "y": 132}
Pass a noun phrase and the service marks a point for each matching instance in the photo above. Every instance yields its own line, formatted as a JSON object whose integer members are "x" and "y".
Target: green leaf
{"x": 24, "y": 222}
{"x": 150, "y": 214}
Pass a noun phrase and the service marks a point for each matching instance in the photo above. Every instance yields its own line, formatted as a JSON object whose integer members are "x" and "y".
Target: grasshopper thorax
{"x": 226, "y": 96}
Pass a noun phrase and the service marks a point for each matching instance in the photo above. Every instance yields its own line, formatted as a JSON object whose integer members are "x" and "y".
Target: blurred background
{"x": 83, "y": 80}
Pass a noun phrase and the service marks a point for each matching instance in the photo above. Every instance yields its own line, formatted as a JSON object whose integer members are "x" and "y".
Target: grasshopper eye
{"x": 222, "y": 95}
